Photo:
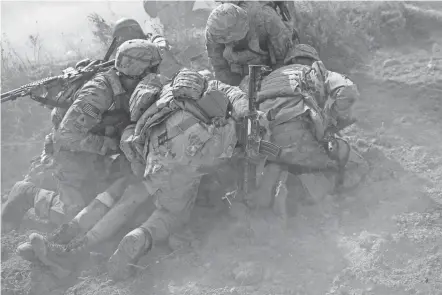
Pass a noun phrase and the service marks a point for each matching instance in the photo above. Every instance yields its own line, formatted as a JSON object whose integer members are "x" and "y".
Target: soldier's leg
{"x": 117, "y": 177}
{"x": 298, "y": 147}
{"x": 22, "y": 197}
{"x": 43, "y": 248}
{"x": 41, "y": 173}
{"x": 174, "y": 206}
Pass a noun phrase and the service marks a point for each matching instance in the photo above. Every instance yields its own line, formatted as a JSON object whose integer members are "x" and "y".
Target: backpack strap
{"x": 176, "y": 130}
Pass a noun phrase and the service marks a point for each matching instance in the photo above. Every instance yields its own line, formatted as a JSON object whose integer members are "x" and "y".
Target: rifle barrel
{"x": 23, "y": 90}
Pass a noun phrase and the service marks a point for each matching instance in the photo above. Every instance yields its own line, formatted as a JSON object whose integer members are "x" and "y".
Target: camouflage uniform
{"x": 88, "y": 153}
{"x": 84, "y": 165}
{"x": 250, "y": 33}
{"x": 302, "y": 102}
{"x": 128, "y": 29}
{"x": 173, "y": 169}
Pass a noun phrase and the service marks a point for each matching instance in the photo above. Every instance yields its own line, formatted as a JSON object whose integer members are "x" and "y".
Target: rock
{"x": 248, "y": 273}
{"x": 390, "y": 62}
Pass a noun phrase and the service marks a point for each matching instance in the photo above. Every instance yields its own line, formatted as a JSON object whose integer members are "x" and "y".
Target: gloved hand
{"x": 38, "y": 92}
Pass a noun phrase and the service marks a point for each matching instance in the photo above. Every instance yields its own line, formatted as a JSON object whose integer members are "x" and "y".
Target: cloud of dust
{"x": 62, "y": 22}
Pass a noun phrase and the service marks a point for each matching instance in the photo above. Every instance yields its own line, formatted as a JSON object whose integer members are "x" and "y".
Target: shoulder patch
{"x": 91, "y": 110}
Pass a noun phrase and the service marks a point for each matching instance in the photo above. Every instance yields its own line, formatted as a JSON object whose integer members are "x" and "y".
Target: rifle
{"x": 60, "y": 87}
{"x": 250, "y": 135}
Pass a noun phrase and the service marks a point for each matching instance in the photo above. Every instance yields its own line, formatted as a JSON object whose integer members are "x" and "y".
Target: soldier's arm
{"x": 219, "y": 63}
{"x": 279, "y": 36}
{"x": 238, "y": 98}
{"x": 92, "y": 100}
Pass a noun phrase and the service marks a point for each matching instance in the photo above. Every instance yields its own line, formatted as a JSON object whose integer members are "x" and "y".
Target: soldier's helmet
{"x": 135, "y": 57}
{"x": 126, "y": 29}
{"x": 302, "y": 50}
{"x": 228, "y": 23}
{"x": 150, "y": 7}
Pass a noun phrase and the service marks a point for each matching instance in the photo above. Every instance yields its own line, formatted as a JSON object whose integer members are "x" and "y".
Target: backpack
{"x": 189, "y": 91}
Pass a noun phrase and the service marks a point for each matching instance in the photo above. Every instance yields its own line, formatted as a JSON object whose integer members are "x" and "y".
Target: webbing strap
{"x": 176, "y": 130}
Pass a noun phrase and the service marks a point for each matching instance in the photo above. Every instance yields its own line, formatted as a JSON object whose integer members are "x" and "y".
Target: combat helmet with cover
{"x": 228, "y": 23}
{"x": 135, "y": 58}
{"x": 302, "y": 51}
{"x": 127, "y": 29}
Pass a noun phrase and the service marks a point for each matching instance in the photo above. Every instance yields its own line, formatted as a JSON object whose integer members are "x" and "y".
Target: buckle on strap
{"x": 176, "y": 130}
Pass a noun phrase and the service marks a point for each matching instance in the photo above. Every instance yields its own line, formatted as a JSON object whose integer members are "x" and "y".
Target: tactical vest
{"x": 292, "y": 91}
{"x": 190, "y": 92}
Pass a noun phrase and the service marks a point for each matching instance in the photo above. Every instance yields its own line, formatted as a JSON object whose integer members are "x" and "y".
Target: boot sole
{"x": 129, "y": 250}
{"x": 39, "y": 246}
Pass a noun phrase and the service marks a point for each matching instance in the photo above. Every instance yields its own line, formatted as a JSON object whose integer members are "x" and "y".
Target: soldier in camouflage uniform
{"x": 300, "y": 122}
{"x": 248, "y": 33}
{"x": 171, "y": 174}
{"x": 173, "y": 169}
{"x": 42, "y": 167}
{"x": 128, "y": 29}
{"x": 83, "y": 146}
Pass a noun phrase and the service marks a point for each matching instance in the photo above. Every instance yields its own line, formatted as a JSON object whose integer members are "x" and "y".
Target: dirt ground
{"x": 383, "y": 239}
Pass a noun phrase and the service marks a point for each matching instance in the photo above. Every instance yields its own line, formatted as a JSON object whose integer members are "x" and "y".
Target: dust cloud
{"x": 62, "y": 23}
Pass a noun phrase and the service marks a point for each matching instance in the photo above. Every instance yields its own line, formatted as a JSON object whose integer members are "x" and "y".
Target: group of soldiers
{"x": 173, "y": 134}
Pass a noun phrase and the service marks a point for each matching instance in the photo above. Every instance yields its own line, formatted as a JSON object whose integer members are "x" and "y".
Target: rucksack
{"x": 189, "y": 91}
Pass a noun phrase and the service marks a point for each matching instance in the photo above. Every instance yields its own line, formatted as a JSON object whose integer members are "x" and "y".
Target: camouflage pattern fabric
{"x": 188, "y": 84}
{"x": 342, "y": 95}
{"x": 82, "y": 156}
{"x": 96, "y": 97}
{"x": 267, "y": 36}
{"x": 145, "y": 94}
{"x": 173, "y": 169}
{"x": 295, "y": 98}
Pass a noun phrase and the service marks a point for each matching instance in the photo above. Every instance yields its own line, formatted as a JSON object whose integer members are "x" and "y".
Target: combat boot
{"x": 26, "y": 252}
{"x": 132, "y": 247}
{"x": 20, "y": 200}
{"x": 52, "y": 255}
